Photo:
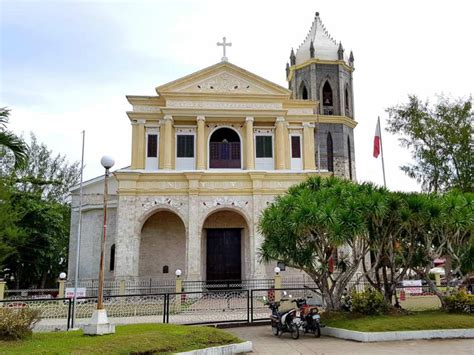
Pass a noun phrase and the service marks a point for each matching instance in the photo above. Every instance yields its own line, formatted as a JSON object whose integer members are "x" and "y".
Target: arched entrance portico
{"x": 225, "y": 247}
{"x": 162, "y": 245}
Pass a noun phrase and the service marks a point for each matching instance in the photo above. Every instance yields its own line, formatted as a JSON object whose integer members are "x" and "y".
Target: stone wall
{"x": 162, "y": 243}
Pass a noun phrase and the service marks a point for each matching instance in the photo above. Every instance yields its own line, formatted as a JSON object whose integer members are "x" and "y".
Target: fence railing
{"x": 194, "y": 307}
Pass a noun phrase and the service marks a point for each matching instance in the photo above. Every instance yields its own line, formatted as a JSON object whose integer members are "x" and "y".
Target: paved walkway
{"x": 266, "y": 343}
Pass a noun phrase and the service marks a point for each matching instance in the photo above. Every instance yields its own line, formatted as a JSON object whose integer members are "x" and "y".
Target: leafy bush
{"x": 17, "y": 323}
{"x": 369, "y": 302}
{"x": 459, "y": 301}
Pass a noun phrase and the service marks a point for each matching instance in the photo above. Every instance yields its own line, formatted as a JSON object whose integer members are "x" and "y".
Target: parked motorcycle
{"x": 310, "y": 317}
{"x": 282, "y": 322}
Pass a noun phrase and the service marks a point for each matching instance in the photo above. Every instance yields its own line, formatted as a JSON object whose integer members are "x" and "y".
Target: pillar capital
{"x": 201, "y": 118}
{"x": 139, "y": 121}
{"x": 168, "y": 118}
{"x": 308, "y": 125}
{"x": 280, "y": 119}
{"x": 249, "y": 119}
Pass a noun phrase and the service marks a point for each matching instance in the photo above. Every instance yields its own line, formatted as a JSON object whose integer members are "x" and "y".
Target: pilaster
{"x": 308, "y": 143}
{"x": 200, "y": 161}
{"x": 249, "y": 144}
{"x": 280, "y": 143}
{"x": 138, "y": 144}
{"x": 167, "y": 142}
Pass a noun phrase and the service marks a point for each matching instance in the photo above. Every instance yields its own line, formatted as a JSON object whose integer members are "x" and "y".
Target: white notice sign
{"x": 412, "y": 287}
{"x": 81, "y": 292}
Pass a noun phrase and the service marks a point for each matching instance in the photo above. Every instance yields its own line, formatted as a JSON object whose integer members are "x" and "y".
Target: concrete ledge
{"x": 367, "y": 337}
{"x": 238, "y": 348}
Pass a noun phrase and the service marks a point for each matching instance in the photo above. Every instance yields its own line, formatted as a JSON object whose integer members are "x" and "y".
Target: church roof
{"x": 325, "y": 47}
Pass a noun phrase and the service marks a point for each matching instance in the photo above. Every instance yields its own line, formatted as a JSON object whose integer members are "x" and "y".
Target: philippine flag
{"x": 377, "y": 140}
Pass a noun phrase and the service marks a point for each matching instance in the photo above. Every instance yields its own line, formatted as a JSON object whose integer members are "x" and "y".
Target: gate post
{"x": 62, "y": 284}
{"x": 277, "y": 279}
{"x": 2, "y": 289}
{"x": 178, "y": 290}
{"x": 122, "y": 288}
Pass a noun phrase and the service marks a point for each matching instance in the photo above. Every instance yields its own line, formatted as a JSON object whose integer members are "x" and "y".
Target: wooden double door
{"x": 223, "y": 260}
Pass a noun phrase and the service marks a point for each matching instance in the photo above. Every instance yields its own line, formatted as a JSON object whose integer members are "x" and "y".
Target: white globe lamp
{"x": 107, "y": 161}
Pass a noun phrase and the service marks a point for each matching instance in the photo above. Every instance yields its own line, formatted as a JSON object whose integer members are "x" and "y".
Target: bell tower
{"x": 321, "y": 70}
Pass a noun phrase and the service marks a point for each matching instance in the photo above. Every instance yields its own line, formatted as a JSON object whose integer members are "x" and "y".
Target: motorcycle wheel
{"x": 295, "y": 331}
{"x": 317, "y": 331}
{"x": 275, "y": 330}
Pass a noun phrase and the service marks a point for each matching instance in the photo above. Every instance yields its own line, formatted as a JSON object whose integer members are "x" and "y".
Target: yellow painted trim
{"x": 256, "y": 182}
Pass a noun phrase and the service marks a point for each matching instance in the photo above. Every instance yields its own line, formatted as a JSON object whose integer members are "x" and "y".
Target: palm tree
{"x": 10, "y": 141}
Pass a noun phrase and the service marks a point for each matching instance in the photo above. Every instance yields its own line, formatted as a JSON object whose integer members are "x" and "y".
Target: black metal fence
{"x": 194, "y": 307}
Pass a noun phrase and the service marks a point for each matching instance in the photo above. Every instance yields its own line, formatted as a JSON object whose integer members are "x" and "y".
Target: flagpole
{"x": 381, "y": 153}
{"x": 79, "y": 231}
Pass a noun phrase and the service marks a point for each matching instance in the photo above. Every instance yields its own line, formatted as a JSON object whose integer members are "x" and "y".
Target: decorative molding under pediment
{"x": 146, "y": 108}
{"x": 223, "y": 105}
{"x": 300, "y": 111}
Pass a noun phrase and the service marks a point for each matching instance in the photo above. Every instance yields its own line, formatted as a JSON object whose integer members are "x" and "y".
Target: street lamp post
{"x": 99, "y": 323}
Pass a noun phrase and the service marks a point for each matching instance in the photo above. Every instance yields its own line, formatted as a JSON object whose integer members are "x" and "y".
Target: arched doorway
{"x": 162, "y": 245}
{"x": 225, "y": 247}
{"x": 225, "y": 149}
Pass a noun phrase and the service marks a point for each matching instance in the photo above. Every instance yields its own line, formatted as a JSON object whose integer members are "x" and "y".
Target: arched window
{"x": 304, "y": 93}
{"x": 112, "y": 258}
{"x": 166, "y": 269}
{"x": 330, "y": 153}
{"x": 327, "y": 99}
{"x": 224, "y": 149}
{"x": 349, "y": 156}
{"x": 346, "y": 101}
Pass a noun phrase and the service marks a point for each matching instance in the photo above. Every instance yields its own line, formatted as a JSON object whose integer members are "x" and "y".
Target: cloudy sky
{"x": 67, "y": 65}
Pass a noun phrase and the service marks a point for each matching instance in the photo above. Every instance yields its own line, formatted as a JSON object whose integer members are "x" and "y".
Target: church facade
{"x": 209, "y": 152}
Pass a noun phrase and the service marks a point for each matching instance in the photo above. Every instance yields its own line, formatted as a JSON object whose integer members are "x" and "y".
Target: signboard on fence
{"x": 81, "y": 292}
{"x": 412, "y": 287}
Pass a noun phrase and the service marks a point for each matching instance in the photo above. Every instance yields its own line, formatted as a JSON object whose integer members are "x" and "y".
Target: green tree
{"x": 440, "y": 141}
{"x": 43, "y": 173}
{"x": 38, "y": 200}
{"x": 9, "y": 142}
{"x": 305, "y": 226}
{"x": 40, "y": 253}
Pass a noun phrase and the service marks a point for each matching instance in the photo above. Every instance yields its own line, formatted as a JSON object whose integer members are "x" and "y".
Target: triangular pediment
{"x": 223, "y": 79}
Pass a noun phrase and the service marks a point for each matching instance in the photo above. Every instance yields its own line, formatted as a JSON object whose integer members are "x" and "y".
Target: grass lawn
{"x": 411, "y": 321}
{"x": 139, "y": 338}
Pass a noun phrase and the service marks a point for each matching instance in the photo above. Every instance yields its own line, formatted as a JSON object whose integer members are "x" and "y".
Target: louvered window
{"x": 264, "y": 146}
{"x": 152, "y": 149}
{"x": 295, "y": 147}
{"x": 185, "y": 146}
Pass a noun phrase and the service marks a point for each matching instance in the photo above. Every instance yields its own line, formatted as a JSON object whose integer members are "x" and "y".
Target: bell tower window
{"x": 346, "y": 101}
{"x": 304, "y": 94}
{"x": 349, "y": 157}
{"x": 327, "y": 99}
{"x": 330, "y": 152}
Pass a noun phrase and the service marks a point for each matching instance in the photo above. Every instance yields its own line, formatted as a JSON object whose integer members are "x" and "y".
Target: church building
{"x": 209, "y": 152}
